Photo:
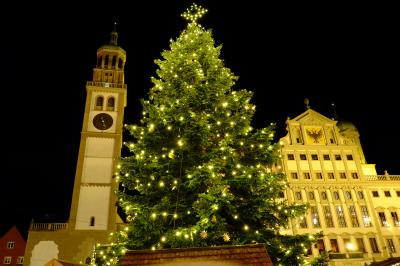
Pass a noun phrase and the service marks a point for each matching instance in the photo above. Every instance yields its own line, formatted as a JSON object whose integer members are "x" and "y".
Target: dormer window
{"x": 99, "y": 103}
{"x": 110, "y": 104}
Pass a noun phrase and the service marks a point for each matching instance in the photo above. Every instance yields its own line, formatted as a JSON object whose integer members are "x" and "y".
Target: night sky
{"x": 343, "y": 54}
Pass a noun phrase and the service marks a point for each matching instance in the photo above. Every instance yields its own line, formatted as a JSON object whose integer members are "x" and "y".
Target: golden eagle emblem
{"x": 315, "y": 134}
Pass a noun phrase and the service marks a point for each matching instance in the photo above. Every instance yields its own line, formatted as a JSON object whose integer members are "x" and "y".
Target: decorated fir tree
{"x": 198, "y": 174}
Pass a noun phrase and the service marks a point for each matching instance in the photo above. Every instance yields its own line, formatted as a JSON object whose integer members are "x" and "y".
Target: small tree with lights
{"x": 197, "y": 173}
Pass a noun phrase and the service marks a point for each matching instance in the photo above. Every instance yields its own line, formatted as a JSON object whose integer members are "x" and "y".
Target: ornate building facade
{"x": 93, "y": 213}
{"x": 357, "y": 210}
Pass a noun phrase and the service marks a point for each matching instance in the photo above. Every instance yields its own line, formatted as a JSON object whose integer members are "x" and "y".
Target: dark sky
{"x": 341, "y": 53}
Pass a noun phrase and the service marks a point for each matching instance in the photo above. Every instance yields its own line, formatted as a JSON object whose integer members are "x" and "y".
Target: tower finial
{"x": 334, "y": 112}
{"x": 307, "y": 103}
{"x": 193, "y": 13}
{"x": 114, "y": 35}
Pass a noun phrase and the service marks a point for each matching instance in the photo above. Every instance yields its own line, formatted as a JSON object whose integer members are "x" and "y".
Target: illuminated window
{"x": 395, "y": 218}
{"x": 353, "y": 216}
{"x": 99, "y": 103}
{"x": 354, "y": 175}
{"x": 375, "y": 194}
{"x": 290, "y": 157}
{"x": 303, "y": 157}
{"x": 10, "y": 244}
{"x": 314, "y": 157}
{"x": 321, "y": 246}
{"x": 7, "y": 260}
{"x": 365, "y": 216}
{"x": 306, "y": 175}
{"x": 390, "y": 245}
{"x": 340, "y": 216}
{"x": 334, "y": 245}
{"x": 331, "y": 176}
{"x": 360, "y": 245}
{"x": 315, "y": 217}
{"x": 326, "y": 157}
{"x": 387, "y": 193}
{"x": 302, "y": 222}
{"x": 374, "y": 245}
{"x": 318, "y": 175}
{"x": 338, "y": 157}
{"x": 328, "y": 216}
{"x": 294, "y": 175}
{"x": 349, "y": 157}
{"x": 110, "y": 104}
{"x": 347, "y": 244}
{"x": 20, "y": 260}
{"x": 382, "y": 218}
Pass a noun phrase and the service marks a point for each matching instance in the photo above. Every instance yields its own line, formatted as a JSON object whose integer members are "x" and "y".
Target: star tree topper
{"x": 193, "y": 13}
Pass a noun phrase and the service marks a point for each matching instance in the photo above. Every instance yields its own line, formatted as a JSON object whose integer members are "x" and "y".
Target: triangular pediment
{"x": 312, "y": 117}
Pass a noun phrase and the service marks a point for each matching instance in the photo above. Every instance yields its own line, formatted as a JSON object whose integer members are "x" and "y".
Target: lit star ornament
{"x": 226, "y": 237}
{"x": 204, "y": 234}
{"x": 193, "y": 13}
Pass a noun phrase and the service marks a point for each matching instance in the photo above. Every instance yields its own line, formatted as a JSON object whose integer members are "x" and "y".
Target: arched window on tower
{"x": 92, "y": 221}
{"x": 113, "y": 61}
{"x": 106, "y": 62}
{"x": 120, "y": 63}
{"x": 99, "y": 61}
{"x": 110, "y": 103}
{"x": 99, "y": 103}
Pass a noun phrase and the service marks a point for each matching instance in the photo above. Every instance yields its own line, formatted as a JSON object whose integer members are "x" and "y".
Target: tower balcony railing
{"x": 48, "y": 226}
{"x": 106, "y": 84}
{"x": 382, "y": 177}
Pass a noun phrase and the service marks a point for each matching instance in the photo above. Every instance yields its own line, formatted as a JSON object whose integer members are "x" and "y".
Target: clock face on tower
{"x": 102, "y": 121}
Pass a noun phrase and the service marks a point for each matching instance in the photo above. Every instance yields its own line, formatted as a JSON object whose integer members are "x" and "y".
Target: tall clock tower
{"x": 93, "y": 201}
{"x": 93, "y": 212}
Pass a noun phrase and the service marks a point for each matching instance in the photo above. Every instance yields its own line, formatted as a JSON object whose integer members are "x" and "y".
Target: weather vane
{"x": 193, "y": 13}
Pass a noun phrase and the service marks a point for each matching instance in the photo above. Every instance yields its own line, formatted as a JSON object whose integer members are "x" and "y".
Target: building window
{"x": 318, "y": 175}
{"x": 311, "y": 195}
{"x": 10, "y": 244}
{"x": 360, "y": 194}
{"x": 298, "y": 195}
{"x": 99, "y": 103}
{"x": 302, "y": 222}
{"x": 336, "y": 195}
{"x": 110, "y": 104}
{"x": 92, "y": 221}
{"x": 382, "y": 218}
{"x": 314, "y": 157}
{"x": 347, "y": 195}
{"x": 374, "y": 245}
{"x": 338, "y": 157}
{"x": 398, "y": 193}
{"x": 332, "y": 141}
{"x": 106, "y": 58}
{"x": 326, "y": 157}
{"x": 395, "y": 218}
{"x": 390, "y": 245}
{"x": 294, "y": 175}
{"x": 365, "y": 216}
{"x": 387, "y": 193}
{"x": 324, "y": 196}
{"x": 321, "y": 246}
{"x": 113, "y": 61}
{"x": 331, "y": 176}
{"x": 354, "y": 175}
{"x": 306, "y": 175}
{"x": 297, "y": 140}
{"x": 349, "y": 157}
{"x": 7, "y": 260}
{"x": 328, "y": 216}
{"x": 360, "y": 245}
{"x": 343, "y": 175}
{"x": 20, "y": 260}
{"x": 347, "y": 244}
{"x": 340, "y": 215}
{"x": 334, "y": 245}
{"x": 375, "y": 194}
{"x": 303, "y": 157}
{"x": 353, "y": 216}
{"x": 281, "y": 194}
{"x": 315, "y": 217}
{"x": 290, "y": 157}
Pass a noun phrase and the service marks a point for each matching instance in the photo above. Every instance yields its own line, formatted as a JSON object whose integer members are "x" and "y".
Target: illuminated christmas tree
{"x": 197, "y": 173}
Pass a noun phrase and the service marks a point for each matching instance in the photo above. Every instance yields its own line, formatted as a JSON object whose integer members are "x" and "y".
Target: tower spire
{"x": 334, "y": 112}
{"x": 114, "y": 35}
